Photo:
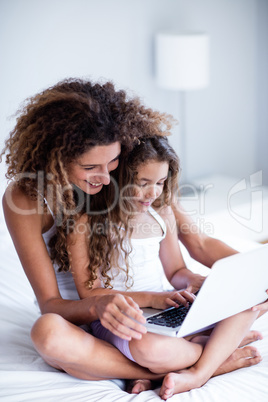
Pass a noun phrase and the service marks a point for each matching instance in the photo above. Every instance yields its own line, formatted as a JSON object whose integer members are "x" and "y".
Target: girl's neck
{"x": 145, "y": 226}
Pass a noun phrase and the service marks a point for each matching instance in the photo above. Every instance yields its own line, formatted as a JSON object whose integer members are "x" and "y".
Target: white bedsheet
{"x": 25, "y": 376}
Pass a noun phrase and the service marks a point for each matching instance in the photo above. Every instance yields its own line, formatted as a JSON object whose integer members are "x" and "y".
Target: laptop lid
{"x": 234, "y": 284}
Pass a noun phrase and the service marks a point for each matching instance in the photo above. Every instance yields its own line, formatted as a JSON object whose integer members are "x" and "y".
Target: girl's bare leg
{"x": 241, "y": 357}
{"x": 162, "y": 354}
{"x": 69, "y": 348}
{"x": 224, "y": 339}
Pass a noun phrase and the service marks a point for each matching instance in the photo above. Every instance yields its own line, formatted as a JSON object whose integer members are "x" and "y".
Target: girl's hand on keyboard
{"x": 164, "y": 300}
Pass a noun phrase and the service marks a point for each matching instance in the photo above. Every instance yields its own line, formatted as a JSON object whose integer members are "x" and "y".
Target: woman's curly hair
{"x": 146, "y": 150}
{"x": 58, "y": 125}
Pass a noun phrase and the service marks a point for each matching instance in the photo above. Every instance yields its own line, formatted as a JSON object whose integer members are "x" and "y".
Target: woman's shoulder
{"x": 17, "y": 200}
{"x": 22, "y": 212}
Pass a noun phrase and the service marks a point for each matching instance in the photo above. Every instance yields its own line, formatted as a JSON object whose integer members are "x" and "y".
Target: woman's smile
{"x": 91, "y": 170}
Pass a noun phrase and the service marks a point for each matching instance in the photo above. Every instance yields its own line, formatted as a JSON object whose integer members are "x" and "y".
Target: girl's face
{"x": 150, "y": 183}
{"x": 90, "y": 171}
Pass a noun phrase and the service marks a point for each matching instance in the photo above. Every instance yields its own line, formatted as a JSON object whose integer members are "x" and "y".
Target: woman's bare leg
{"x": 224, "y": 339}
{"x": 69, "y": 348}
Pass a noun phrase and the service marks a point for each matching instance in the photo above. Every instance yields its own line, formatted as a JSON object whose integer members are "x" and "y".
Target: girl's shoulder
{"x": 165, "y": 212}
{"x": 167, "y": 216}
{"x": 83, "y": 219}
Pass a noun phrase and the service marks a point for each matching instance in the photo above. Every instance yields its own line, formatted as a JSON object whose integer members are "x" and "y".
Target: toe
{"x": 140, "y": 386}
{"x": 252, "y": 336}
{"x": 253, "y": 361}
{"x": 166, "y": 390}
{"x": 247, "y": 352}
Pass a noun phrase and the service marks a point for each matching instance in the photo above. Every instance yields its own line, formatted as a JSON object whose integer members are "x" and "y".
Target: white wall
{"x": 42, "y": 42}
{"x": 262, "y": 89}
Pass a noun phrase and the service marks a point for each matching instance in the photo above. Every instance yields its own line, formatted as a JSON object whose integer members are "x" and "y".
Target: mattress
{"x": 25, "y": 376}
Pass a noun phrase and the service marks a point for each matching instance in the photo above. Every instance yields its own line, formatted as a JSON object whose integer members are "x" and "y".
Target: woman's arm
{"x": 25, "y": 224}
{"x": 201, "y": 247}
{"x": 170, "y": 254}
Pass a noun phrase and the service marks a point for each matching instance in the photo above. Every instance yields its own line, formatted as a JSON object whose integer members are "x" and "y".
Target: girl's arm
{"x": 26, "y": 224}
{"x": 77, "y": 247}
{"x": 201, "y": 247}
{"x": 170, "y": 254}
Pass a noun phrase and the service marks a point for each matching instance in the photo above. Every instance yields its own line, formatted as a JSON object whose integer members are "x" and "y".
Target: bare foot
{"x": 185, "y": 380}
{"x": 175, "y": 383}
{"x": 251, "y": 336}
{"x": 242, "y": 357}
{"x": 137, "y": 386}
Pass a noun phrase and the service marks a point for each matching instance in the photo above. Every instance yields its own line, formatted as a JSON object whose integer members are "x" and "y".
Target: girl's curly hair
{"x": 58, "y": 125}
{"x": 151, "y": 149}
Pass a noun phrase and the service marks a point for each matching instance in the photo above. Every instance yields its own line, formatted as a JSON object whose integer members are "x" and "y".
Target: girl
{"x": 147, "y": 240}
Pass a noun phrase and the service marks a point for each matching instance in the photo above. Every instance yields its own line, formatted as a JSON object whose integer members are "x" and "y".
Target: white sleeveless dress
{"x": 147, "y": 273}
{"x": 145, "y": 269}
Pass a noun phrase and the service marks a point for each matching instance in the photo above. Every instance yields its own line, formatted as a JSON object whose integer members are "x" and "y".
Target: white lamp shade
{"x": 182, "y": 60}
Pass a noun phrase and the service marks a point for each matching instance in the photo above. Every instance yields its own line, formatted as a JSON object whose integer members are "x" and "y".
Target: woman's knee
{"x": 46, "y": 333}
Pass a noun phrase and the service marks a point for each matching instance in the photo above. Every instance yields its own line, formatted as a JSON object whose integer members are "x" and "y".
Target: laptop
{"x": 234, "y": 284}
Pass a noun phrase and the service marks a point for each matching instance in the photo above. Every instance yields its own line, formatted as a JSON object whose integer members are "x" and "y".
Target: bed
{"x": 26, "y": 377}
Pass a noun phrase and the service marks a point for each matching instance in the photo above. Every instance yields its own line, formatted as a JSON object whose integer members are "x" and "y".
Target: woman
{"x": 66, "y": 141}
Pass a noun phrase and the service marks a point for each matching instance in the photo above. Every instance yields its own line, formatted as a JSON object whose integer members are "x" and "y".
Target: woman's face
{"x": 90, "y": 171}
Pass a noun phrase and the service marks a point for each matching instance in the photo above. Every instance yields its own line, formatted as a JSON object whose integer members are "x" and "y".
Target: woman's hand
{"x": 195, "y": 282}
{"x": 262, "y": 306}
{"x": 164, "y": 300}
{"x": 121, "y": 315}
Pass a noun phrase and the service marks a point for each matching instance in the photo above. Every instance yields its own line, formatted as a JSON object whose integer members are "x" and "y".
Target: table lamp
{"x": 182, "y": 64}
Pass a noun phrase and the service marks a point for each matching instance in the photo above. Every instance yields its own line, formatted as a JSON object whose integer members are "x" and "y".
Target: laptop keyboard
{"x": 170, "y": 318}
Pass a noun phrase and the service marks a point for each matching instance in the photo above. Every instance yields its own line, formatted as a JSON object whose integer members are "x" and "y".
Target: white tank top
{"x": 145, "y": 267}
{"x": 64, "y": 279}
